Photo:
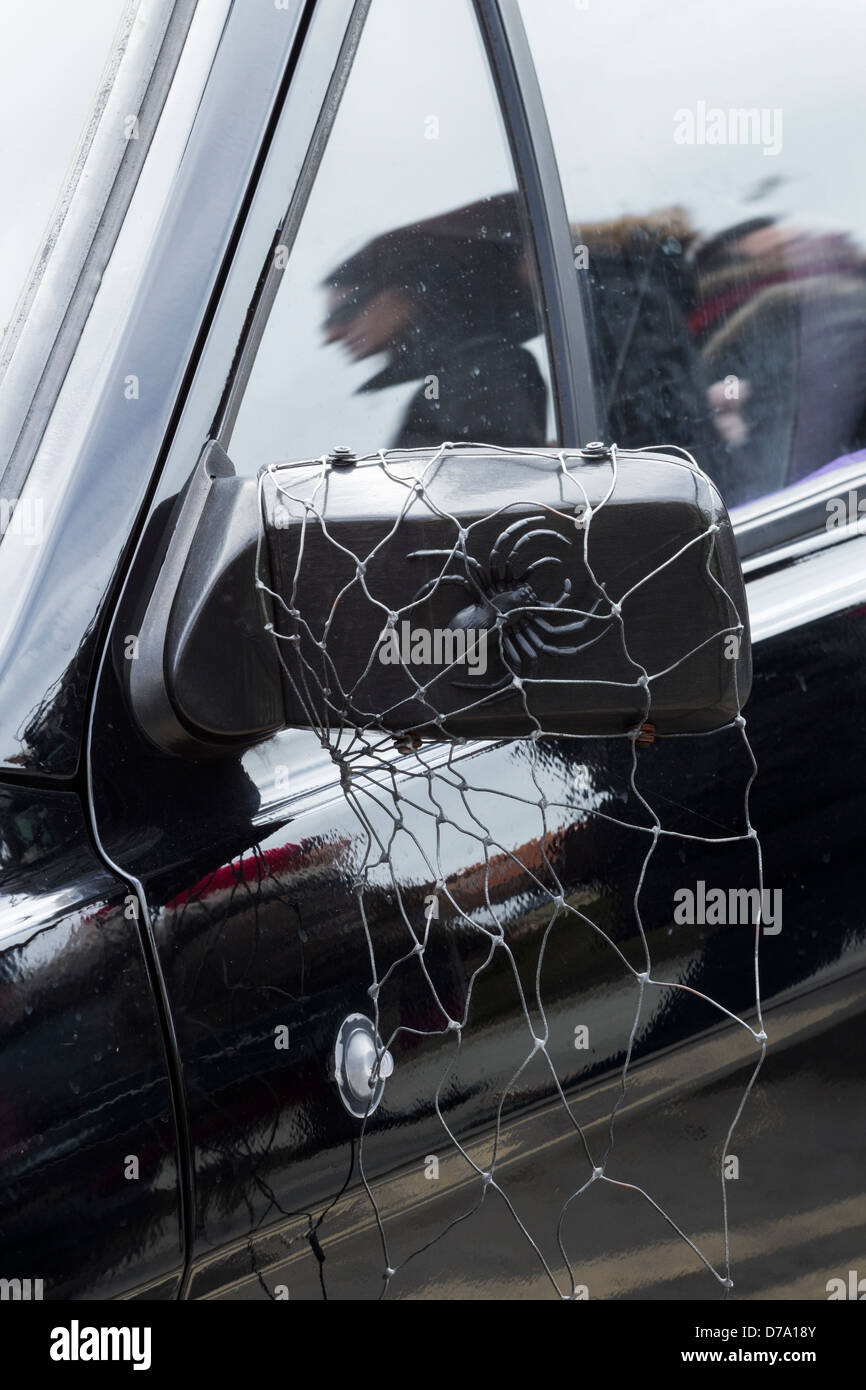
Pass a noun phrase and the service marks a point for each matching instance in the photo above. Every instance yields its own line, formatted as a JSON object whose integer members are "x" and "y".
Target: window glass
{"x": 710, "y": 159}
{"x": 52, "y": 60}
{"x": 407, "y": 310}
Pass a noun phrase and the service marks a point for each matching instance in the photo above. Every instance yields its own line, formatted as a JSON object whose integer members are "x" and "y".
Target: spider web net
{"x": 420, "y": 798}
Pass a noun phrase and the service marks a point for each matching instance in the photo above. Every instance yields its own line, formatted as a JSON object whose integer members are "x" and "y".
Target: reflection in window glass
{"x": 407, "y": 312}
{"x": 711, "y": 174}
{"x": 51, "y": 62}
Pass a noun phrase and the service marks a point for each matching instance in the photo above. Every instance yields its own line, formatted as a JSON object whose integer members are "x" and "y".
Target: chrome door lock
{"x": 361, "y": 1065}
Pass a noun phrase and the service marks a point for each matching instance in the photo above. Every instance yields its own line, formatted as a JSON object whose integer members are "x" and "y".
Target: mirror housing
{"x": 206, "y": 681}
{"x": 465, "y": 592}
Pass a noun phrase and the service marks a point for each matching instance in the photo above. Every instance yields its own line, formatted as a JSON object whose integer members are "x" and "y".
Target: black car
{"x": 365, "y": 324}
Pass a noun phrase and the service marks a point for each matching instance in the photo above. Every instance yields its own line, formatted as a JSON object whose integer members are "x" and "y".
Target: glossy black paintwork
{"x": 82, "y": 1069}
{"x": 257, "y": 926}
{"x": 795, "y": 1212}
{"x": 264, "y": 930}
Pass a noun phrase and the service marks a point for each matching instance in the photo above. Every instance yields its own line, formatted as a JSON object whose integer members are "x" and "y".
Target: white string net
{"x": 420, "y": 798}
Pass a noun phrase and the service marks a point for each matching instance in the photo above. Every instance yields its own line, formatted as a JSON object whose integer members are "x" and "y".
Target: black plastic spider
{"x": 506, "y": 598}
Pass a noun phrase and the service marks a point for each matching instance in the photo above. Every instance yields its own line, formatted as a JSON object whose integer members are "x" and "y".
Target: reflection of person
{"x": 781, "y": 323}
{"x": 749, "y": 348}
{"x": 642, "y": 288}
{"x": 450, "y": 302}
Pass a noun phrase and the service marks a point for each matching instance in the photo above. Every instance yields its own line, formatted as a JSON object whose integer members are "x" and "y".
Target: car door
{"x": 90, "y": 1189}
{"x": 427, "y": 229}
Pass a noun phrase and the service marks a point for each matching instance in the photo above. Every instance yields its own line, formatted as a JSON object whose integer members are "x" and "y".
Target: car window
{"x": 718, "y": 219}
{"x": 53, "y": 60}
{"x": 407, "y": 310}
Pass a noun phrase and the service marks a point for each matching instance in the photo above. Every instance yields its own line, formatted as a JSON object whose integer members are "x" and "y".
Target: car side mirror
{"x": 465, "y": 591}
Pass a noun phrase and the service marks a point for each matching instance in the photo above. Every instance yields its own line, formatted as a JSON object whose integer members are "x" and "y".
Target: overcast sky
{"x": 614, "y": 73}
{"x": 52, "y": 53}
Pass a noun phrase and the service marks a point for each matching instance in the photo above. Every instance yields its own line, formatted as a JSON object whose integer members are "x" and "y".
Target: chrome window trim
{"x": 798, "y": 570}
{"x": 796, "y": 550}
{"x": 814, "y": 585}
{"x": 762, "y": 525}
